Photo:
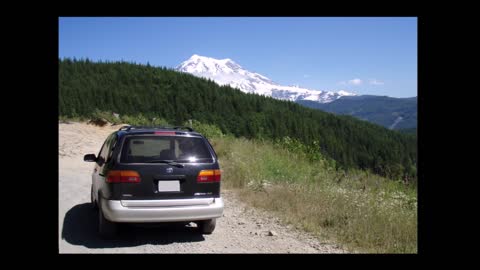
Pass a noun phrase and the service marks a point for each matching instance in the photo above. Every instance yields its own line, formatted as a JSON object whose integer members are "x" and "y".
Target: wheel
{"x": 92, "y": 200}
{"x": 206, "y": 226}
{"x": 106, "y": 228}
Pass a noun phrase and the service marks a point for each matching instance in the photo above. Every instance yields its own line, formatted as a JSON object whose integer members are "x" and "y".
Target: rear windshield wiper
{"x": 169, "y": 162}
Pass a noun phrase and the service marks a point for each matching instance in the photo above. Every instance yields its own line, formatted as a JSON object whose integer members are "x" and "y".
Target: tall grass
{"x": 365, "y": 212}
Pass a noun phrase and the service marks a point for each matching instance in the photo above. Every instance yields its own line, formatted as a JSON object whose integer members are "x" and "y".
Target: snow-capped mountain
{"x": 227, "y": 72}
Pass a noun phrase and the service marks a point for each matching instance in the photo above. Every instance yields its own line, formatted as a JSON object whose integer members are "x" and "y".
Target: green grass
{"x": 364, "y": 212}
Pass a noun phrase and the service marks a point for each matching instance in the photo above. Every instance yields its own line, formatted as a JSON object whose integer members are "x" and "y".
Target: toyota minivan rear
{"x": 156, "y": 175}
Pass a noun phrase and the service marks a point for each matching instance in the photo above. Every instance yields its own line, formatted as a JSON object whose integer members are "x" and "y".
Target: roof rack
{"x": 127, "y": 128}
{"x": 183, "y": 127}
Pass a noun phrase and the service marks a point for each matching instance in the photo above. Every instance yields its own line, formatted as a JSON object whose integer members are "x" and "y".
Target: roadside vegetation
{"x": 361, "y": 210}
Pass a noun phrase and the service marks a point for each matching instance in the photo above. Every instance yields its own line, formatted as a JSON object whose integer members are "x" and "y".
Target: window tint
{"x": 140, "y": 149}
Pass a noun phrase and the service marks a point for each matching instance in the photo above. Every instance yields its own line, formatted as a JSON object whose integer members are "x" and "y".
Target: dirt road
{"x": 241, "y": 230}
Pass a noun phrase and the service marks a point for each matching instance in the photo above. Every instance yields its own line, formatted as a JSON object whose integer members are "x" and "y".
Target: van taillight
{"x": 205, "y": 176}
{"x": 123, "y": 177}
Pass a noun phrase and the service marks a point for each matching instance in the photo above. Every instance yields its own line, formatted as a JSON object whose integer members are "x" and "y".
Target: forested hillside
{"x": 131, "y": 89}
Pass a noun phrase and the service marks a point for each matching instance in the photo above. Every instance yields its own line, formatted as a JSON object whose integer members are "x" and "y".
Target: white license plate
{"x": 168, "y": 186}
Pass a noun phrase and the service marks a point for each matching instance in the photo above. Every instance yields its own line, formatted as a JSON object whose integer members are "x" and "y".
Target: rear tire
{"x": 207, "y": 226}
{"x": 106, "y": 228}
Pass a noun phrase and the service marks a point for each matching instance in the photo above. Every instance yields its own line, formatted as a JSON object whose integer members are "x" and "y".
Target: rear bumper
{"x": 162, "y": 210}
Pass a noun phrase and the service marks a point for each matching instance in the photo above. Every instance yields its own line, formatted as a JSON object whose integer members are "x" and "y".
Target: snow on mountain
{"x": 227, "y": 72}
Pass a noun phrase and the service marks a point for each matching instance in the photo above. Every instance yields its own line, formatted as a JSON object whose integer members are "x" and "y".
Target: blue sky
{"x": 365, "y": 55}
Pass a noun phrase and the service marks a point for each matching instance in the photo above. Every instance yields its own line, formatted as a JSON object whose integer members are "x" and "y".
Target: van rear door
{"x": 167, "y": 167}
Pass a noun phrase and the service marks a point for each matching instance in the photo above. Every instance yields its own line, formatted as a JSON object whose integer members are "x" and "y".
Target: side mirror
{"x": 90, "y": 158}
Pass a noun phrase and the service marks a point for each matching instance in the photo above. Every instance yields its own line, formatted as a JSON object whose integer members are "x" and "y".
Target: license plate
{"x": 164, "y": 186}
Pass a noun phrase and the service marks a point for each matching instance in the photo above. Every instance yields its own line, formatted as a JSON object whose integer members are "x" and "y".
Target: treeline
{"x": 132, "y": 89}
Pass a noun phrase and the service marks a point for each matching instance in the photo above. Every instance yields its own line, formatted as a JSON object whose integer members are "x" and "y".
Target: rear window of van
{"x": 144, "y": 149}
